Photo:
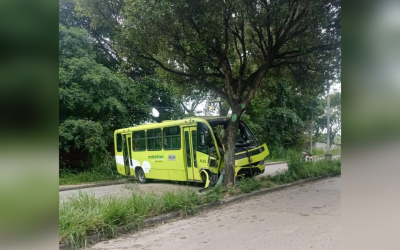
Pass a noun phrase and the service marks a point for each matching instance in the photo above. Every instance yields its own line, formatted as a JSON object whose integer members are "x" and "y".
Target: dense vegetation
{"x": 270, "y": 62}
{"x": 104, "y": 84}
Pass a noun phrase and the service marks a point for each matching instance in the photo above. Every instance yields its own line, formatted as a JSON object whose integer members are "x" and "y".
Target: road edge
{"x": 82, "y": 186}
{"x": 165, "y": 218}
{"x": 109, "y": 183}
{"x": 280, "y": 162}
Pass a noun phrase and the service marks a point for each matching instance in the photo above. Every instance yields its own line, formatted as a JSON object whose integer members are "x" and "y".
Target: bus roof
{"x": 213, "y": 118}
{"x": 165, "y": 123}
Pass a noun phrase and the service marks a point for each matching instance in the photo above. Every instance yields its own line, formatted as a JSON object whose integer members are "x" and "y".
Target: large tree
{"x": 228, "y": 46}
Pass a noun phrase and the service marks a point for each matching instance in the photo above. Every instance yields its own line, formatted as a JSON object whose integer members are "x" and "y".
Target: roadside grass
{"x": 280, "y": 154}
{"x": 68, "y": 177}
{"x": 336, "y": 151}
{"x": 298, "y": 169}
{"x": 318, "y": 152}
{"x": 103, "y": 169}
{"x": 322, "y": 152}
{"x": 84, "y": 215}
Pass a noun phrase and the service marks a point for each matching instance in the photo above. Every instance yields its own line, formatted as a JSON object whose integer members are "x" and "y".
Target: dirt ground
{"x": 128, "y": 188}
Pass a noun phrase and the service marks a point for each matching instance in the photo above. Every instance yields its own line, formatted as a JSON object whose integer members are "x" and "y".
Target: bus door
{"x": 127, "y": 142}
{"x": 208, "y": 152}
{"x": 190, "y": 153}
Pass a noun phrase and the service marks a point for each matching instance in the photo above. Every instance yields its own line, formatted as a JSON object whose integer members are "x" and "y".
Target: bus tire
{"x": 140, "y": 176}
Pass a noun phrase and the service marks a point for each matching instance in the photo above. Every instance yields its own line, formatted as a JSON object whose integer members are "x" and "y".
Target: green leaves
{"x": 82, "y": 134}
{"x": 93, "y": 99}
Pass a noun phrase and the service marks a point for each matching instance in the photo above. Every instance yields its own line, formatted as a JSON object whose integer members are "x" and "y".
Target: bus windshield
{"x": 243, "y": 134}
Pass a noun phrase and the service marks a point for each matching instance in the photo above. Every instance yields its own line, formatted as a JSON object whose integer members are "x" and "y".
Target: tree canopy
{"x": 229, "y": 47}
{"x": 95, "y": 100}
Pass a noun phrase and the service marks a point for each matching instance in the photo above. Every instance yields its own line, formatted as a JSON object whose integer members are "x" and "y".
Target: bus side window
{"x": 119, "y": 143}
{"x": 139, "y": 140}
{"x": 172, "y": 138}
{"x": 202, "y": 129}
{"x": 154, "y": 139}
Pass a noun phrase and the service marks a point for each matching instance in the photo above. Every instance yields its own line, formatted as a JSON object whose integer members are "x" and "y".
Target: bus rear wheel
{"x": 141, "y": 178}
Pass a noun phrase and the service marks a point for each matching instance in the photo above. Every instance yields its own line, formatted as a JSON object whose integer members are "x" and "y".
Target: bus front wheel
{"x": 141, "y": 178}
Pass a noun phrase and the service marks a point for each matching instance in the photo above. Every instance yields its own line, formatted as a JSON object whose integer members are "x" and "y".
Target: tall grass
{"x": 103, "y": 168}
{"x": 84, "y": 215}
{"x": 298, "y": 169}
{"x": 336, "y": 151}
{"x": 321, "y": 151}
{"x": 318, "y": 152}
{"x": 280, "y": 154}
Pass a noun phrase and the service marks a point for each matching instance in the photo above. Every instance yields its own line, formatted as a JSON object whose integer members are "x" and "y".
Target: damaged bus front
{"x": 249, "y": 154}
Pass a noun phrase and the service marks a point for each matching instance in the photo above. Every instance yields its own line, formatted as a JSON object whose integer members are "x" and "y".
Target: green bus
{"x": 185, "y": 150}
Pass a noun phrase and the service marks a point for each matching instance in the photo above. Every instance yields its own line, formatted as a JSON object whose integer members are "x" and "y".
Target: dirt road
{"x": 156, "y": 186}
{"x": 302, "y": 217}
{"x": 127, "y": 189}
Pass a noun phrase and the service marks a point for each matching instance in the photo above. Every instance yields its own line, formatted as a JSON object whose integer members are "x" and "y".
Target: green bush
{"x": 103, "y": 169}
{"x": 318, "y": 152}
{"x": 214, "y": 194}
{"x": 304, "y": 170}
{"x": 248, "y": 185}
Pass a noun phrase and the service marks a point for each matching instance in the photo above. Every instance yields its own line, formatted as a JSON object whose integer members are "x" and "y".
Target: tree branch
{"x": 293, "y": 63}
{"x": 297, "y": 53}
{"x": 184, "y": 107}
{"x": 294, "y": 19}
{"x": 194, "y": 77}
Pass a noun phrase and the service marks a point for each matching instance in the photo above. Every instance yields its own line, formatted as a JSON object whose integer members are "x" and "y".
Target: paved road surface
{"x": 302, "y": 217}
{"x": 271, "y": 169}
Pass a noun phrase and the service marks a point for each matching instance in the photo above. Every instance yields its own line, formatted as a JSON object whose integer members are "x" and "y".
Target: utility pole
{"x": 328, "y": 156}
{"x": 311, "y": 132}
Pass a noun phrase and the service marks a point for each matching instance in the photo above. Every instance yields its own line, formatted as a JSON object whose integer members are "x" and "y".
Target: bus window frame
{"x": 147, "y": 139}
{"x": 257, "y": 144}
{"x": 120, "y": 143}
{"x": 180, "y": 138}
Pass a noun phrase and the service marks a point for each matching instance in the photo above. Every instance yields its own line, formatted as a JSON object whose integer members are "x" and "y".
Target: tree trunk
{"x": 229, "y": 165}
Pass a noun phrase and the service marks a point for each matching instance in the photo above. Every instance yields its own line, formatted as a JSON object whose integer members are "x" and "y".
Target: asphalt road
{"x": 301, "y": 217}
{"x": 272, "y": 169}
